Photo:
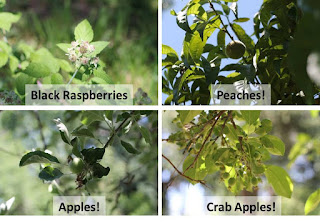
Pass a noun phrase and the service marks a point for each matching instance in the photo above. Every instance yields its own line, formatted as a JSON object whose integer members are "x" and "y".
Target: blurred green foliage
{"x": 130, "y": 26}
{"x": 304, "y": 170}
{"x": 130, "y": 188}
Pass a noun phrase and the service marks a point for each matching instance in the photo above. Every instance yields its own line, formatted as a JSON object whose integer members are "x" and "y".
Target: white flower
{"x": 74, "y": 44}
{"x": 84, "y": 60}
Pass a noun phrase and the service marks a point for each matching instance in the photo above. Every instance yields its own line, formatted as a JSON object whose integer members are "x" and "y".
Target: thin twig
{"x": 208, "y": 136}
{"x": 117, "y": 130}
{"x": 75, "y": 73}
{"x": 178, "y": 171}
{"x": 224, "y": 26}
{"x": 36, "y": 113}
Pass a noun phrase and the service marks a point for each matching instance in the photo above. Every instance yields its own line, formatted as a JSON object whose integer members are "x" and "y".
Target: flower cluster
{"x": 79, "y": 54}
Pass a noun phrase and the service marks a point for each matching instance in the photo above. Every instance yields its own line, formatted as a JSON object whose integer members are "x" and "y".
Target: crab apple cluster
{"x": 80, "y": 53}
{"x": 241, "y": 169}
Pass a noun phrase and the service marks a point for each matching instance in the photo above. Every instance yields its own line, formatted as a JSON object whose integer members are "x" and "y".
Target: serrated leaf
{"x": 129, "y": 148}
{"x": 280, "y": 180}
{"x": 37, "y": 157}
{"x": 313, "y": 202}
{"x": 49, "y": 174}
{"x": 64, "y": 46}
{"x": 37, "y": 70}
{"x": 93, "y": 155}
{"x": 13, "y": 63}
{"x": 83, "y": 31}
{"x": 99, "y": 46}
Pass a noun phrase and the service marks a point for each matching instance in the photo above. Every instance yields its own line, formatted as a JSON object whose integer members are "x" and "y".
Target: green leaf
{"x": 2, "y": 3}
{"x": 84, "y": 132}
{"x": 196, "y": 46}
{"x": 83, "y": 31}
{"x": 187, "y": 116}
{"x": 182, "y": 20}
{"x": 64, "y": 46}
{"x": 243, "y": 37}
{"x": 76, "y": 147}
{"x": 49, "y": 174}
{"x": 65, "y": 65}
{"x": 21, "y": 80}
{"x": 222, "y": 39}
{"x": 265, "y": 127}
{"x": 91, "y": 116}
{"x": 312, "y": 202}
{"x": 146, "y": 134}
{"x": 37, "y": 70}
{"x": 13, "y": 63}
{"x": 280, "y": 180}
{"x": 37, "y": 157}
{"x": 93, "y": 155}
{"x": 99, "y": 46}
{"x": 241, "y": 20}
{"x": 168, "y": 50}
{"x": 3, "y": 58}
{"x": 274, "y": 145}
{"x": 129, "y": 148}
{"x": 99, "y": 171}
{"x": 250, "y": 116}
{"x": 44, "y": 57}
{"x": 7, "y": 19}
{"x": 57, "y": 79}
{"x": 211, "y": 73}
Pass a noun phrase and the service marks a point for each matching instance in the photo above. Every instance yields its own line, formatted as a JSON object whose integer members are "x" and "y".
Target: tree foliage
{"x": 237, "y": 145}
{"x": 276, "y": 53}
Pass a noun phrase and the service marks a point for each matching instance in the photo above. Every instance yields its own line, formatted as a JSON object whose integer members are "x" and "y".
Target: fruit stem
{"x": 75, "y": 73}
{"x": 224, "y": 26}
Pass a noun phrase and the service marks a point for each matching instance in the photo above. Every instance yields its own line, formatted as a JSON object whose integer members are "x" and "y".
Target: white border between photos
{"x": 160, "y": 108}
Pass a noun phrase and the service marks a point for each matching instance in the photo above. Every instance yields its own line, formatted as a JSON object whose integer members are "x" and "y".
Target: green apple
{"x": 76, "y": 165}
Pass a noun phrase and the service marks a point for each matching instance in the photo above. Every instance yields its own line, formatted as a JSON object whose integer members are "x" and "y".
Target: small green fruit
{"x": 76, "y": 165}
{"x": 222, "y": 168}
{"x": 225, "y": 175}
{"x": 254, "y": 181}
{"x": 231, "y": 181}
{"x": 235, "y": 49}
{"x": 257, "y": 155}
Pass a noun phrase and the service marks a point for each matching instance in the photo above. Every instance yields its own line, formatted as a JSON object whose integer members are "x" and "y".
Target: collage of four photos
{"x": 159, "y": 108}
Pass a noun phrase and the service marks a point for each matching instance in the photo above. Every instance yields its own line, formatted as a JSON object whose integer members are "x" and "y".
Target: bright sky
{"x": 173, "y": 36}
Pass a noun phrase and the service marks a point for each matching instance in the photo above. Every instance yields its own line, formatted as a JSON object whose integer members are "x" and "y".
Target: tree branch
{"x": 211, "y": 130}
{"x": 180, "y": 173}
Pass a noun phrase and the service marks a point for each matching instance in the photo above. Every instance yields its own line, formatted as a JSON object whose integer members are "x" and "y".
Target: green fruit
{"x": 235, "y": 49}
{"x": 257, "y": 155}
{"x": 76, "y": 165}
{"x": 225, "y": 175}
{"x": 231, "y": 181}
{"x": 254, "y": 181}
{"x": 222, "y": 168}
